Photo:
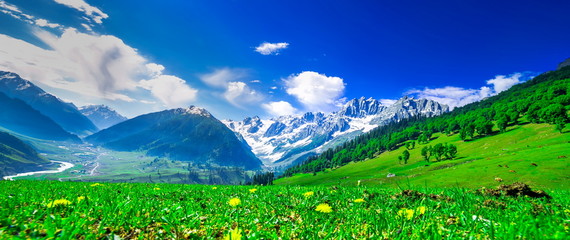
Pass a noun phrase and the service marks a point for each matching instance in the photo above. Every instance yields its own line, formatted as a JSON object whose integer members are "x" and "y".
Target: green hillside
{"x": 517, "y": 135}
{"x": 478, "y": 163}
{"x": 17, "y": 156}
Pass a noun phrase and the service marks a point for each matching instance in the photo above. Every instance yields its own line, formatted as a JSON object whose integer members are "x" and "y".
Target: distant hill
{"x": 17, "y": 116}
{"x": 102, "y": 116}
{"x": 64, "y": 114}
{"x": 527, "y": 121}
{"x": 17, "y": 156}
{"x": 187, "y": 134}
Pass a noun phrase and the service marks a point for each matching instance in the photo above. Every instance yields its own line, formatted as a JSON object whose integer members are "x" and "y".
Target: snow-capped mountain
{"x": 283, "y": 141}
{"x": 102, "y": 116}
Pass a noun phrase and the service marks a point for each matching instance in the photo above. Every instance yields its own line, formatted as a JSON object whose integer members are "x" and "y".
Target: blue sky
{"x": 143, "y": 56}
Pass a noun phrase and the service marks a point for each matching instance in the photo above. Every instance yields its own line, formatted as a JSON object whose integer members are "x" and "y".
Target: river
{"x": 64, "y": 166}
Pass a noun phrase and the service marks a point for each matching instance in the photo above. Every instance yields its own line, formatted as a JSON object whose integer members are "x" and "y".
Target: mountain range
{"x": 65, "y": 114}
{"x": 185, "y": 134}
{"x": 286, "y": 140}
{"x": 102, "y": 116}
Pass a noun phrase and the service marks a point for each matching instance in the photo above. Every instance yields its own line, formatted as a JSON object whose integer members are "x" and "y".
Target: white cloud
{"x": 94, "y": 13}
{"x": 255, "y": 81}
{"x": 271, "y": 48}
{"x": 100, "y": 66}
{"x": 502, "y": 82}
{"x": 317, "y": 92}
{"x": 457, "y": 97}
{"x": 45, "y": 23}
{"x": 280, "y": 108}
{"x": 221, "y": 77}
{"x": 453, "y": 96}
{"x": 387, "y": 102}
{"x": 170, "y": 90}
{"x": 15, "y": 12}
{"x": 238, "y": 94}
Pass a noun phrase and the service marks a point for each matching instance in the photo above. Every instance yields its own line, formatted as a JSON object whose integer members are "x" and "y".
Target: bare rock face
{"x": 564, "y": 64}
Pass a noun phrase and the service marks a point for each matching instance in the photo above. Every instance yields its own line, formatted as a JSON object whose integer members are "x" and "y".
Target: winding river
{"x": 64, "y": 166}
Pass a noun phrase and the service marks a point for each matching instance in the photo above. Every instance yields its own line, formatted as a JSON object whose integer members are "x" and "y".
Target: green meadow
{"x": 79, "y": 210}
{"x": 535, "y": 154}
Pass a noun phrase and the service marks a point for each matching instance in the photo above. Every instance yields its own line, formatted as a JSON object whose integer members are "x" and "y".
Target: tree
{"x": 426, "y": 153}
{"x": 450, "y": 151}
{"x": 560, "y": 124}
{"x": 405, "y": 156}
{"x": 437, "y": 151}
{"x": 484, "y": 126}
{"x": 502, "y": 122}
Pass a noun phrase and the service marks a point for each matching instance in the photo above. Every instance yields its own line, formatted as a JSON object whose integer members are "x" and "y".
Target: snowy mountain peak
{"x": 193, "y": 110}
{"x": 102, "y": 116}
{"x": 282, "y": 141}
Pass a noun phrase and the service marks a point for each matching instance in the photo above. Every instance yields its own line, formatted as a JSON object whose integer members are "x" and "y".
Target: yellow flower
{"x": 156, "y": 188}
{"x": 407, "y": 213}
{"x": 234, "y": 234}
{"x": 252, "y": 190}
{"x": 308, "y": 194}
{"x": 234, "y": 202}
{"x": 323, "y": 207}
{"x": 59, "y": 202}
{"x": 96, "y": 184}
{"x": 359, "y": 200}
{"x": 214, "y": 188}
{"x": 80, "y": 198}
{"x": 421, "y": 210}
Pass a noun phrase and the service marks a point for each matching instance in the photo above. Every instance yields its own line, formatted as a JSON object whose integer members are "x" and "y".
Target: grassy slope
{"x": 476, "y": 165}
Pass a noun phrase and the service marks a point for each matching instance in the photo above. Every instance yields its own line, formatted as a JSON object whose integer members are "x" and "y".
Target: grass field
{"x": 78, "y": 210}
{"x": 508, "y": 156}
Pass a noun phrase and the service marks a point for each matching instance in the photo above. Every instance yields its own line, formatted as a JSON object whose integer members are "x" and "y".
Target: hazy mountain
{"x": 65, "y": 114}
{"x": 282, "y": 141}
{"x": 17, "y": 116}
{"x": 187, "y": 134}
{"x": 17, "y": 156}
{"x": 102, "y": 116}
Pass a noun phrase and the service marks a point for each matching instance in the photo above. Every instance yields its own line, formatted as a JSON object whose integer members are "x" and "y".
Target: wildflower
{"x": 156, "y": 188}
{"x": 308, "y": 194}
{"x": 421, "y": 210}
{"x": 407, "y": 213}
{"x": 234, "y": 234}
{"x": 59, "y": 202}
{"x": 214, "y": 188}
{"x": 80, "y": 198}
{"x": 360, "y": 200}
{"x": 234, "y": 202}
{"x": 252, "y": 190}
{"x": 323, "y": 207}
{"x": 96, "y": 184}
{"x": 358, "y": 183}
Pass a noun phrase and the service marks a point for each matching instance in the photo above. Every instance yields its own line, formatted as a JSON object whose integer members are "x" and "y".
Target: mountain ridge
{"x": 65, "y": 114}
{"x": 285, "y": 140}
{"x": 102, "y": 116}
{"x": 186, "y": 134}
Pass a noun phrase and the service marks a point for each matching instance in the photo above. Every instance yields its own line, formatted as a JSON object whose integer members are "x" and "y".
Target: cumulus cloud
{"x": 170, "y": 90}
{"x": 238, "y": 94}
{"x": 280, "y": 108}
{"x": 457, "y": 97}
{"x": 232, "y": 81}
{"x": 271, "y": 48}
{"x": 94, "y": 14}
{"x": 317, "y": 92}
{"x": 45, "y": 23}
{"x": 100, "y": 66}
{"x": 503, "y": 82}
